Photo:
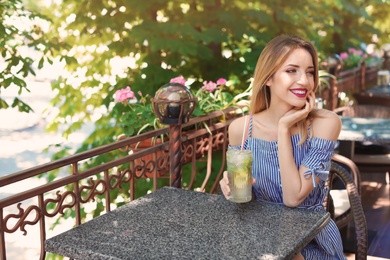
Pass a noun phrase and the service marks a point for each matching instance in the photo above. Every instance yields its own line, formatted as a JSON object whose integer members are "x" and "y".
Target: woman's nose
{"x": 303, "y": 79}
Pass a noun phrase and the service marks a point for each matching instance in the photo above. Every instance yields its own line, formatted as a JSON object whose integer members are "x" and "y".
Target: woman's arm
{"x": 295, "y": 186}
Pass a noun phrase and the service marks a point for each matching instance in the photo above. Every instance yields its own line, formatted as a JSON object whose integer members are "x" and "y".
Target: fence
{"x": 351, "y": 81}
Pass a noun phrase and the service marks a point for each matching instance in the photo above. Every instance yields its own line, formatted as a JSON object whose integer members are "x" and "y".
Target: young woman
{"x": 291, "y": 141}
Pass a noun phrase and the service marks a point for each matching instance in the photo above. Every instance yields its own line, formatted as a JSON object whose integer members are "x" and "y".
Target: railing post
{"x": 333, "y": 90}
{"x": 2, "y": 236}
{"x": 42, "y": 226}
{"x": 175, "y": 155}
{"x": 386, "y": 57}
{"x": 333, "y": 66}
{"x": 173, "y": 104}
{"x": 362, "y": 76}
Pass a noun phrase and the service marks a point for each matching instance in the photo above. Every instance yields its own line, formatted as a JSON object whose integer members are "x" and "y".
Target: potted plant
{"x": 213, "y": 96}
{"x": 136, "y": 113}
{"x": 136, "y": 116}
{"x": 352, "y": 58}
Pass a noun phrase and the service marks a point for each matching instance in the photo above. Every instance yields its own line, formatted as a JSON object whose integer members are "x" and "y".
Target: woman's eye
{"x": 291, "y": 70}
{"x": 311, "y": 72}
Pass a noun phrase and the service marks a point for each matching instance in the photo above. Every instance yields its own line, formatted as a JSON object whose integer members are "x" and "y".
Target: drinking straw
{"x": 243, "y": 134}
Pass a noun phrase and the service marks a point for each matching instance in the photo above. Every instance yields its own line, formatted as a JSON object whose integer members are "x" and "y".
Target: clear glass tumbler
{"x": 239, "y": 167}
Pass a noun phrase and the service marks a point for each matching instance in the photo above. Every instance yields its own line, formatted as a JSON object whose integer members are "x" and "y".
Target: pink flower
{"x": 180, "y": 80}
{"x": 124, "y": 94}
{"x": 221, "y": 81}
{"x": 209, "y": 86}
{"x": 344, "y": 55}
{"x": 352, "y": 50}
{"x": 359, "y": 52}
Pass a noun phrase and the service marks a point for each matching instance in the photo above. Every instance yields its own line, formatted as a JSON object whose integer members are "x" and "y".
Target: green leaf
{"x": 3, "y": 104}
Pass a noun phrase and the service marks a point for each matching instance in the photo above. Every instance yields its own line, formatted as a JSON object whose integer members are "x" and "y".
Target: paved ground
{"x": 23, "y": 136}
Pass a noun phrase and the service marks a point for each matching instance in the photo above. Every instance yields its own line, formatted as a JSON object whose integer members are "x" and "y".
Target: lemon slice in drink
{"x": 240, "y": 180}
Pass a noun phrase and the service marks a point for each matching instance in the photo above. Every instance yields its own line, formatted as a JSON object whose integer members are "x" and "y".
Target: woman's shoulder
{"x": 327, "y": 115}
{"x": 236, "y": 129}
{"x": 240, "y": 121}
{"x": 326, "y": 124}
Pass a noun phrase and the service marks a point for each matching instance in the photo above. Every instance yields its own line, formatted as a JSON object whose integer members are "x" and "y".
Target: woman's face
{"x": 294, "y": 80}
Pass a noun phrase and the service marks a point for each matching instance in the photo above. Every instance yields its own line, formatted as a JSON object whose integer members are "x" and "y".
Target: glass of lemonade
{"x": 239, "y": 167}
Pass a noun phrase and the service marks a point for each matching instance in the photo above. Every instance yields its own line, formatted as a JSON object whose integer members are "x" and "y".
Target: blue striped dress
{"x": 315, "y": 153}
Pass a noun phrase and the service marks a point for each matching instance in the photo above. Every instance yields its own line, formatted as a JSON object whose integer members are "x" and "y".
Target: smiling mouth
{"x": 301, "y": 93}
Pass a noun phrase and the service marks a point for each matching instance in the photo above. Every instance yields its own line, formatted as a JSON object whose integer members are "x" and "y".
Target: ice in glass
{"x": 239, "y": 167}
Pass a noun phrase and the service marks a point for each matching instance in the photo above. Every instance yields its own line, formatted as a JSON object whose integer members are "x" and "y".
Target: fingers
{"x": 224, "y": 183}
{"x": 298, "y": 113}
{"x": 225, "y": 176}
{"x": 310, "y": 104}
{"x": 312, "y": 100}
{"x": 253, "y": 180}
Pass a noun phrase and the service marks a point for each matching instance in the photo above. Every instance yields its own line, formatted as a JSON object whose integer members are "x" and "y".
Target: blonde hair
{"x": 270, "y": 60}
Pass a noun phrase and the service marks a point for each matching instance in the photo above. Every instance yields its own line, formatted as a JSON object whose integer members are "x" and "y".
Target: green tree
{"x": 113, "y": 44}
{"x": 348, "y": 23}
{"x": 158, "y": 40}
{"x": 107, "y": 45}
{"x": 380, "y": 11}
{"x": 20, "y": 28}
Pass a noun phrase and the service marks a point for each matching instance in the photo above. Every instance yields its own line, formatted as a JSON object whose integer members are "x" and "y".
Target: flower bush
{"x": 353, "y": 57}
{"x": 136, "y": 114}
{"x": 213, "y": 96}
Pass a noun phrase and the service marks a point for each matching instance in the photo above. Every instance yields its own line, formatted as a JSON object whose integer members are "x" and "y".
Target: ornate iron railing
{"x": 131, "y": 172}
{"x": 357, "y": 79}
{"x": 354, "y": 80}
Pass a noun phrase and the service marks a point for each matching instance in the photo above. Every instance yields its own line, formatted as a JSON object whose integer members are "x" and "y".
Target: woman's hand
{"x": 297, "y": 114}
{"x": 224, "y": 183}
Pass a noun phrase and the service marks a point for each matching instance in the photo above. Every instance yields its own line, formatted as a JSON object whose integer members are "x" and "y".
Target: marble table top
{"x": 365, "y": 129}
{"x": 380, "y": 90}
{"x": 172, "y": 223}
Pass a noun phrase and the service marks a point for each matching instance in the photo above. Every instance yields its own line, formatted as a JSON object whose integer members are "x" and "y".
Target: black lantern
{"x": 173, "y": 104}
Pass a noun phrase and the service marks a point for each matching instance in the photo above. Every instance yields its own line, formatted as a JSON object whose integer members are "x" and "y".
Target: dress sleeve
{"x": 318, "y": 158}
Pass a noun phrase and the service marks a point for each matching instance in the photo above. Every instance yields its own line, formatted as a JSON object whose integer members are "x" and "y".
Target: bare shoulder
{"x": 326, "y": 124}
{"x": 236, "y": 129}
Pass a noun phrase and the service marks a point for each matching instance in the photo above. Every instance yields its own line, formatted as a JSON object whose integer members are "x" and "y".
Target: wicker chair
{"x": 345, "y": 170}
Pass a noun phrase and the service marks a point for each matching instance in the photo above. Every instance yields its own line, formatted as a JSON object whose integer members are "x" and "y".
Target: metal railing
{"x": 130, "y": 173}
{"x": 353, "y": 80}
{"x": 356, "y": 79}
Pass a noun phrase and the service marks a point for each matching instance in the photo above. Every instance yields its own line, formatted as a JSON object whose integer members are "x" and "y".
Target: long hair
{"x": 270, "y": 60}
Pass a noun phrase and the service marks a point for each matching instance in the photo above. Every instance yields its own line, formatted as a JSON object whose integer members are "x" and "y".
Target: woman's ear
{"x": 269, "y": 82}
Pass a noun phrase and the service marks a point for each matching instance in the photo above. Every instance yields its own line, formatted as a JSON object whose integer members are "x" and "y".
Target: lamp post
{"x": 173, "y": 104}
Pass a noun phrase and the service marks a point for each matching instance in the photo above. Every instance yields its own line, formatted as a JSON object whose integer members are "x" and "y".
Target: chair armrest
{"x": 346, "y": 176}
